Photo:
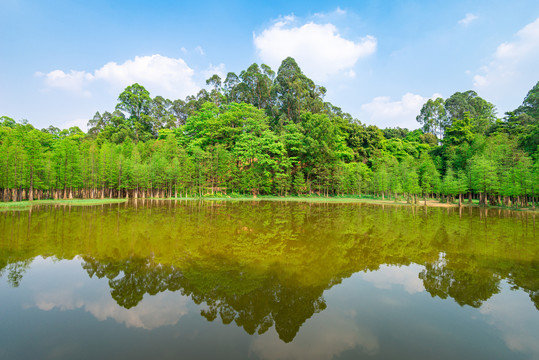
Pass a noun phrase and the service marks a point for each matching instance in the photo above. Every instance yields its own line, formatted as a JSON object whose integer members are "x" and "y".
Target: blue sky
{"x": 61, "y": 61}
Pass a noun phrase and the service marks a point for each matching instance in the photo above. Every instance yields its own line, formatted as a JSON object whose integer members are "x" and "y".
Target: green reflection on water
{"x": 265, "y": 264}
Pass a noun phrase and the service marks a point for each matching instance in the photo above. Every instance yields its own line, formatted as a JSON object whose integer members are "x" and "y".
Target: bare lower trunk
{"x": 31, "y": 192}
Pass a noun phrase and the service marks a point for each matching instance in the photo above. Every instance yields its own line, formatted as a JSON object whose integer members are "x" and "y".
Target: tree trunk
{"x": 31, "y": 193}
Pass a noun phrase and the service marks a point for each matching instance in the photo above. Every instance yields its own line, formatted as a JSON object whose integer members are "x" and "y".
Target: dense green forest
{"x": 262, "y": 132}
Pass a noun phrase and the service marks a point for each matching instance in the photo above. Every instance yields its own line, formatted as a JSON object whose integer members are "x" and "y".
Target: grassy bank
{"x": 348, "y": 200}
{"x": 316, "y": 199}
{"x": 22, "y": 205}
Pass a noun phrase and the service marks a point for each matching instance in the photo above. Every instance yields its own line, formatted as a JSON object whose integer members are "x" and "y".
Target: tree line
{"x": 268, "y": 133}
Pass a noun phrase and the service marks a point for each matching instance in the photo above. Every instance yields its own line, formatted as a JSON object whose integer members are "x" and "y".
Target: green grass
{"x": 23, "y": 205}
{"x": 311, "y": 199}
{"x": 346, "y": 199}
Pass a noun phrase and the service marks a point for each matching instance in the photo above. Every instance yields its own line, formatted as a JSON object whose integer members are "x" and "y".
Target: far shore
{"x": 349, "y": 200}
{"x": 23, "y": 205}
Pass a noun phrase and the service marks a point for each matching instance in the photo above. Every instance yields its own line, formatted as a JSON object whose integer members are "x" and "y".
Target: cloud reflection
{"x": 324, "y": 337}
{"x": 516, "y": 318}
{"x": 69, "y": 293}
{"x": 387, "y": 276}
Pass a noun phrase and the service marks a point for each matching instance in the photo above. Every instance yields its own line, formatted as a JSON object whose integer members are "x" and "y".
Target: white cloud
{"x": 351, "y": 74}
{"x": 76, "y": 292}
{"x": 80, "y": 123}
{"x": 152, "y": 312}
{"x": 514, "y": 315}
{"x": 72, "y": 81}
{"x": 325, "y": 336}
{"x": 387, "y": 276}
{"x": 319, "y": 49}
{"x": 338, "y": 11}
{"x": 219, "y": 70}
{"x": 467, "y": 19}
{"x": 199, "y": 50}
{"x": 513, "y": 69}
{"x": 161, "y": 75}
{"x": 383, "y": 112}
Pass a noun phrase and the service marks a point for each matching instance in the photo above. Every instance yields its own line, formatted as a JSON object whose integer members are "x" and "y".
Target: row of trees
{"x": 267, "y": 133}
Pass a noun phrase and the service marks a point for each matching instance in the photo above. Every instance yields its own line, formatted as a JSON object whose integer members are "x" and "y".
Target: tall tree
{"x": 433, "y": 117}
{"x": 135, "y": 100}
{"x": 482, "y": 113}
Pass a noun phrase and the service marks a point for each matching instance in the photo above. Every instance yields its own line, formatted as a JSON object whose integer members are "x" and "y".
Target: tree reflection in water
{"x": 267, "y": 264}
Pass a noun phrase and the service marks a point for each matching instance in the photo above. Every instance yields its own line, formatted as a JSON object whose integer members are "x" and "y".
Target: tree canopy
{"x": 266, "y": 132}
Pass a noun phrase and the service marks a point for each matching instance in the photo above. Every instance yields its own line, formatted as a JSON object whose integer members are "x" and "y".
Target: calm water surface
{"x": 267, "y": 280}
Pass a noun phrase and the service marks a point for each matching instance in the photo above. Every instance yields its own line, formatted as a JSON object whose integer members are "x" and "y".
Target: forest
{"x": 271, "y": 133}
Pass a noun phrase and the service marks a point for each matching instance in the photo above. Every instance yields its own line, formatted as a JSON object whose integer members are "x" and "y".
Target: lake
{"x": 268, "y": 280}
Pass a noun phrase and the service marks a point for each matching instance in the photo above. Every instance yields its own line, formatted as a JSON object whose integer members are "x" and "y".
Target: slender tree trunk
{"x": 31, "y": 193}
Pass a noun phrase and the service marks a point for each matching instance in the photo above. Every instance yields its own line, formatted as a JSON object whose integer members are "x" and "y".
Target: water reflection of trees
{"x": 267, "y": 264}
{"x": 466, "y": 286}
{"x": 254, "y": 303}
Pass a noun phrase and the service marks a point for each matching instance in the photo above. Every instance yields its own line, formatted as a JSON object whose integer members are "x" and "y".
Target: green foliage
{"x": 433, "y": 117}
{"x": 530, "y": 105}
{"x": 481, "y": 112}
{"x": 461, "y": 130}
{"x": 483, "y": 174}
{"x": 262, "y": 132}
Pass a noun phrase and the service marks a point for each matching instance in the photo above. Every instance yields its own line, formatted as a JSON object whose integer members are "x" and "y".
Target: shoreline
{"x": 24, "y": 205}
{"x": 348, "y": 200}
